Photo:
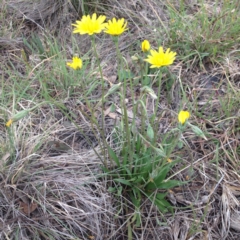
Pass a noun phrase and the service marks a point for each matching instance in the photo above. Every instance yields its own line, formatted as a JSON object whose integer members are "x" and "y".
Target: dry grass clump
{"x": 52, "y": 197}
{"x": 42, "y": 14}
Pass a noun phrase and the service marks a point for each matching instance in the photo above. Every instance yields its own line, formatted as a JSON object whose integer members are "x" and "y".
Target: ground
{"x": 53, "y": 178}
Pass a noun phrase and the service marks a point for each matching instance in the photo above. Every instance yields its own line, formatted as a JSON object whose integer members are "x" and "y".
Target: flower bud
{"x": 145, "y": 46}
{"x": 183, "y": 116}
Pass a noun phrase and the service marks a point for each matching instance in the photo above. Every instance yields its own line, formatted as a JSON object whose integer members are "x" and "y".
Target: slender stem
{"x": 143, "y": 117}
{"x": 143, "y": 113}
{"x": 83, "y": 7}
{"x": 183, "y": 92}
{"x": 145, "y": 75}
{"x": 156, "y": 103}
{"x": 125, "y": 116}
{"x": 144, "y": 71}
{"x": 103, "y": 93}
{"x": 159, "y": 92}
{"x": 142, "y": 74}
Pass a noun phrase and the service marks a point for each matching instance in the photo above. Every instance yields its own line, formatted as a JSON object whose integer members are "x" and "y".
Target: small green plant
{"x": 141, "y": 176}
{"x": 142, "y": 167}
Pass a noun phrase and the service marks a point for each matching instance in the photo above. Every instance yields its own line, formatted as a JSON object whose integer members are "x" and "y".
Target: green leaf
{"x": 111, "y": 189}
{"x": 119, "y": 191}
{"x": 106, "y": 170}
{"x": 159, "y": 178}
{"x": 163, "y": 205}
{"x": 180, "y": 144}
{"x": 136, "y": 197}
{"x": 137, "y": 180}
{"x": 112, "y": 108}
{"x": 137, "y": 218}
{"x": 145, "y": 170}
{"x": 125, "y": 74}
{"x": 150, "y": 133}
{"x": 136, "y": 200}
{"x": 138, "y": 145}
{"x": 145, "y": 166}
{"x": 123, "y": 181}
{"x": 157, "y": 181}
{"x": 113, "y": 156}
{"x": 197, "y": 131}
{"x": 162, "y": 174}
{"x": 170, "y": 184}
{"x": 151, "y": 186}
{"x": 146, "y": 81}
{"x": 159, "y": 201}
{"x": 161, "y": 196}
{"x": 126, "y": 168}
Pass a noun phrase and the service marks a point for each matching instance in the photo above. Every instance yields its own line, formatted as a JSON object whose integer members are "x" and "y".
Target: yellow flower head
{"x": 116, "y": 27}
{"x": 9, "y": 123}
{"x": 145, "y": 46}
{"x": 90, "y": 25}
{"x": 76, "y": 63}
{"x": 183, "y": 116}
{"x": 159, "y": 58}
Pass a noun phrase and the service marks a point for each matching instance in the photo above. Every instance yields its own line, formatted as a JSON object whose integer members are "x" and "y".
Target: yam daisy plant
{"x": 90, "y": 24}
{"x": 116, "y": 27}
{"x": 141, "y": 169}
{"x": 183, "y": 116}
{"x": 76, "y": 63}
{"x": 159, "y": 59}
{"x": 146, "y": 46}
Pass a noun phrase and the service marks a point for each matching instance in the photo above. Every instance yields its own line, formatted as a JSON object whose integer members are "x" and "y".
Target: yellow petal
{"x": 183, "y": 116}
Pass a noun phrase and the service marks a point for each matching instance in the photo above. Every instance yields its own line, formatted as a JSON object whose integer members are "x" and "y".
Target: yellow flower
{"x": 159, "y": 58}
{"x": 9, "y": 123}
{"x": 145, "y": 46}
{"x": 183, "y": 116}
{"x": 116, "y": 27}
{"x": 89, "y": 25}
{"x": 76, "y": 63}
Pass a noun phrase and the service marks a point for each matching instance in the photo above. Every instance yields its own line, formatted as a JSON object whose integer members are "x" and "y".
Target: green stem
{"x": 156, "y": 103}
{"x": 159, "y": 91}
{"x": 183, "y": 92}
{"x": 146, "y": 74}
{"x": 129, "y": 230}
{"x": 142, "y": 74}
{"x": 143, "y": 113}
{"x": 144, "y": 71}
{"x": 143, "y": 117}
{"x": 124, "y": 107}
{"x": 103, "y": 93}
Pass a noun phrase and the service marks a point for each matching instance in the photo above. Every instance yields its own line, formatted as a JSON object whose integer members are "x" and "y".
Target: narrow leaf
{"x": 150, "y": 132}
{"x": 170, "y": 184}
{"x": 113, "y": 156}
{"x": 123, "y": 181}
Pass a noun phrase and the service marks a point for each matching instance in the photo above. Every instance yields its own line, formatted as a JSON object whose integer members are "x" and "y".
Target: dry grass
{"x": 51, "y": 185}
